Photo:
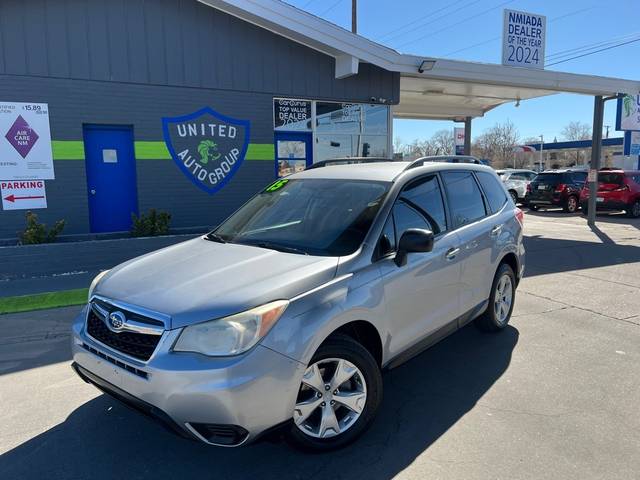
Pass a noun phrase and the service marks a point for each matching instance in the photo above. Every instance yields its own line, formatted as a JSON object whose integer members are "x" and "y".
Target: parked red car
{"x": 617, "y": 190}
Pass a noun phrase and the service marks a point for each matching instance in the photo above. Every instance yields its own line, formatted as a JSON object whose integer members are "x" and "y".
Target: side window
{"x": 492, "y": 190}
{"x": 531, "y": 175}
{"x": 407, "y": 217}
{"x": 518, "y": 176}
{"x": 425, "y": 196}
{"x": 636, "y": 178}
{"x": 464, "y": 198}
{"x": 387, "y": 242}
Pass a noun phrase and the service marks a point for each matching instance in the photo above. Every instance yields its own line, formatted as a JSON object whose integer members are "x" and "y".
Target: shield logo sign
{"x": 207, "y": 146}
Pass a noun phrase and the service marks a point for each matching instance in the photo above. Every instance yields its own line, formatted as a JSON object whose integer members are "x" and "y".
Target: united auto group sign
{"x": 207, "y": 146}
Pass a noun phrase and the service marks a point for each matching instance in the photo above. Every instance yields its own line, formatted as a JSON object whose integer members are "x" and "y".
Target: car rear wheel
{"x": 571, "y": 205}
{"x": 634, "y": 209}
{"x": 338, "y": 397}
{"x": 501, "y": 301}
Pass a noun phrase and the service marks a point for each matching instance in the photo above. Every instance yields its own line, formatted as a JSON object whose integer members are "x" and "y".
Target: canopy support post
{"x": 467, "y": 135}
{"x": 596, "y": 153}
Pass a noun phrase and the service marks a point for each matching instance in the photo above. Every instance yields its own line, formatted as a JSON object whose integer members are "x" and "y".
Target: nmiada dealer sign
{"x": 523, "y": 39}
{"x": 25, "y": 142}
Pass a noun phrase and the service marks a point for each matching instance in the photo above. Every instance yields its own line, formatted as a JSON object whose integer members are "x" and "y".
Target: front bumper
{"x": 193, "y": 394}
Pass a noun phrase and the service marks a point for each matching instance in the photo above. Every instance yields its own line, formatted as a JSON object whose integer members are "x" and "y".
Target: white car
{"x": 516, "y": 181}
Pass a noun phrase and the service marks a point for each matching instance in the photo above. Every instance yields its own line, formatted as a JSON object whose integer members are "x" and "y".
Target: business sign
{"x": 458, "y": 135}
{"x": 289, "y": 114}
{"x": 631, "y": 143}
{"x": 207, "y": 146}
{"x": 23, "y": 194}
{"x": 25, "y": 142}
{"x": 628, "y": 115}
{"x": 523, "y": 39}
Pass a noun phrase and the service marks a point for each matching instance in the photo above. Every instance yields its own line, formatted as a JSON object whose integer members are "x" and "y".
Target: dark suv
{"x": 557, "y": 188}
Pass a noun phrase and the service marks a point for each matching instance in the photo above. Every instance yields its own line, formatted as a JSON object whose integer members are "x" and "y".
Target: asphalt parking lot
{"x": 556, "y": 395}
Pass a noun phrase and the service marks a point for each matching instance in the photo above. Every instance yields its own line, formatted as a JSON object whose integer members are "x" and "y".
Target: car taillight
{"x": 528, "y": 188}
{"x": 519, "y": 216}
{"x": 561, "y": 187}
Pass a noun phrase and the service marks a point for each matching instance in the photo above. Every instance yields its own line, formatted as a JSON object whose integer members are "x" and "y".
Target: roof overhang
{"x": 429, "y": 87}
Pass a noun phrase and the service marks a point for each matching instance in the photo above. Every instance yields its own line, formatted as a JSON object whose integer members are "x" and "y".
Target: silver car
{"x": 516, "y": 182}
{"x": 287, "y": 313}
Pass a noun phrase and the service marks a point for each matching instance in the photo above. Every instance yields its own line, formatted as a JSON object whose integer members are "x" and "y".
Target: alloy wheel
{"x": 503, "y": 299}
{"x": 572, "y": 204}
{"x": 635, "y": 209}
{"x": 331, "y": 398}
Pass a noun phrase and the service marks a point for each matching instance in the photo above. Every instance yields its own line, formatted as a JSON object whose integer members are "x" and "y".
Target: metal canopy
{"x": 431, "y": 88}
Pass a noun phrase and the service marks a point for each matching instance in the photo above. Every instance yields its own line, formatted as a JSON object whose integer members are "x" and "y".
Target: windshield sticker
{"x": 277, "y": 185}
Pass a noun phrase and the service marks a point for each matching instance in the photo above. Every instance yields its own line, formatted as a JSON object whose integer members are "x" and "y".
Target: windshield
{"x": 328, "y": 217}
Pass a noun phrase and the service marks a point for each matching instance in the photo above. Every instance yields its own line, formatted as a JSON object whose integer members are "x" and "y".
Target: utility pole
{"x": 354, "y": 16}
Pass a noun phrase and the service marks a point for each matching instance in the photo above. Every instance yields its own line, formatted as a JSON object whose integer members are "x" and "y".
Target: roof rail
{"x": 348, "y": 161}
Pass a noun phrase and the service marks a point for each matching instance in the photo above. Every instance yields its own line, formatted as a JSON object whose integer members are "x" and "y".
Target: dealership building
{"x": 191, "y": 107}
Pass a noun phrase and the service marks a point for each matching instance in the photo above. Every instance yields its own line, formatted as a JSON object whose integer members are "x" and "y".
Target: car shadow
{"x": 422, "y": 400}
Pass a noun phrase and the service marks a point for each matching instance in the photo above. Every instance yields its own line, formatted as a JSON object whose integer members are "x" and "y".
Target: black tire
{"x": 571, "y": 205}
{"x": 488, "y": 321}
{"x": 514, "y": 196}
{"x": 344, "y": 347}
{"x": 533, "y": 208}
{"x": 634, "y": 210}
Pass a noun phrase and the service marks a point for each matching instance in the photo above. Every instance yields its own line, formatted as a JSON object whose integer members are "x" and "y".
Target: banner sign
{"x": 523, "y": 39}
{"x": 23, "y": 195}
{"x": 291, "y": 114}
{"x": 458, "y": 135}
{"x": 25, "y": 142}
{"x": 628, "y": 115}
{"x": 207, "y": 146}
{"x": 631, "y": 143}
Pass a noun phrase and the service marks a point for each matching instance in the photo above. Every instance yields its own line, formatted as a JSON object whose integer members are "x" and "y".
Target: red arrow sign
{"x": 12, "y": 198}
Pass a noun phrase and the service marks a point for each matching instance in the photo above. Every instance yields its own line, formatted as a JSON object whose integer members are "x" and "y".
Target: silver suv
{"x": 287, "y": 313}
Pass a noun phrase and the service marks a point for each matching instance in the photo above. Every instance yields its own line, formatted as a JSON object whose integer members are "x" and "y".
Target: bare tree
{"x": 443, "y": 141}
{"x": 576, "y": 131}
{"x": 497, "y": 144}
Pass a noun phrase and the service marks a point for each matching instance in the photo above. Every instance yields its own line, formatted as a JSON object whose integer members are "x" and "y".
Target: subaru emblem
{"x": 116, "y": 320}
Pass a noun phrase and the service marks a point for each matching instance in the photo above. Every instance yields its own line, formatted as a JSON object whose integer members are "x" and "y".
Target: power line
{"x": 596, "y": 51}
{"x": 484, "y": 42}
{"x": 419, "y": 20}
{"x": 590, "y": 46}
{"x": 330, "y": 8}
{"x": 457, "y": 23}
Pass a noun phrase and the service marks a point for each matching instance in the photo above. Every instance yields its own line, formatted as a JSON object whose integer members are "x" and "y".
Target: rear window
{"x": 493, "y": 191}
{"x": 548, "y": 178}
{"x": 615, "y": 178}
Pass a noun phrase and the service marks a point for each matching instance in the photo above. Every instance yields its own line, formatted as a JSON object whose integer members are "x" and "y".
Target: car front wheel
{"x": 571, "y": 206}
{"x": 338, "y": 397}
{"x": 514, "y": 196}
{"x": 634, "y": 209}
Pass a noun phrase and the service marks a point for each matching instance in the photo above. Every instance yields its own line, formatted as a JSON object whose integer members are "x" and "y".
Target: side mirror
{"x": 413, "y": 240}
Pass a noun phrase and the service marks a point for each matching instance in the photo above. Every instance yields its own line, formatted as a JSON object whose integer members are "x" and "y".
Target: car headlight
{"x": 230, "y": 335}
{"x": 94, "y": 283}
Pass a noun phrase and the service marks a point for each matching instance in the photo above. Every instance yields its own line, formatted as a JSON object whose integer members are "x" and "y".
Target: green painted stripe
{"x": 41, "y": 301}
{"x": 144, "y": 150}
{"x": 151, "y": 151}
{"x": 67, "y": 149}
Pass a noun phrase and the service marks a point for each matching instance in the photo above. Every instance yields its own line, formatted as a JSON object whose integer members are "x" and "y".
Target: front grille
{"x": 136, "y": 345}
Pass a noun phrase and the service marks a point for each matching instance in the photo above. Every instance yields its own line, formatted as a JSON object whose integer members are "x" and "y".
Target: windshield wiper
{"x": 214, "y": 237}
{"x": 276, "y": 246}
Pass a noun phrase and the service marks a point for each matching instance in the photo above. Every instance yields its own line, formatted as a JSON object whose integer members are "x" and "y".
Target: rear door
{"x": 422, "y": 296}
{"x": 469, "y": 216}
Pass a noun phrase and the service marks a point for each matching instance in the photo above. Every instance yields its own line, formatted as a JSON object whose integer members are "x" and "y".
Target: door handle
{"x": 451, "y": 253}
{"x": 496, "y": 230}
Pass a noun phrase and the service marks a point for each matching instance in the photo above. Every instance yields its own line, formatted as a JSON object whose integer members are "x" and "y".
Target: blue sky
{"x": 461, "y": 24}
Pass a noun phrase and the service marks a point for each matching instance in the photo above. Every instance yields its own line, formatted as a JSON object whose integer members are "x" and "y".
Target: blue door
{"x": 293, "y": 152}
{"x": 111, "y": 177}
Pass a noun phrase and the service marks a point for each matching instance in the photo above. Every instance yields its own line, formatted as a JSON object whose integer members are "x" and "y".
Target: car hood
{"x": 200, "y": 280}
